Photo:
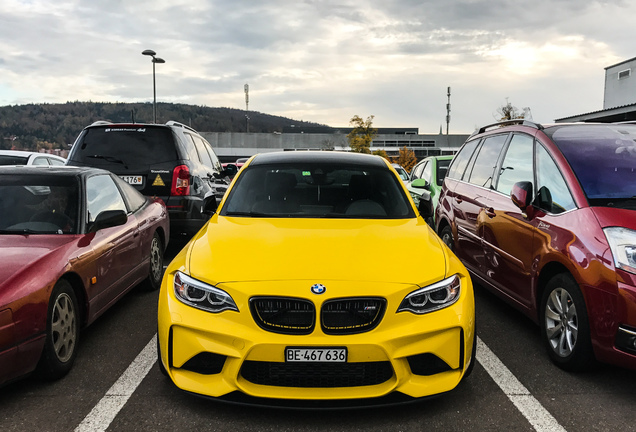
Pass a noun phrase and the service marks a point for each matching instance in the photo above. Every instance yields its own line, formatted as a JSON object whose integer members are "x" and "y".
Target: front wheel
{"x": 153, "y": 282}
{"x": 565, "y": 327}
{"x": 447, "y": 237}
{"x": 62, "y": 333}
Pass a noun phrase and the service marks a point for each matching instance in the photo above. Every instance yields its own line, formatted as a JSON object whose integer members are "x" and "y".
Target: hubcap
{"x": 156, "y": 264}
{"x": 63, "y": 328}
{"x": 561, "y": 322}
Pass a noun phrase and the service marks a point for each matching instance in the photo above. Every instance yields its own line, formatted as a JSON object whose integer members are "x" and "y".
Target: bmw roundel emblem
{"x": 318, "y": 288}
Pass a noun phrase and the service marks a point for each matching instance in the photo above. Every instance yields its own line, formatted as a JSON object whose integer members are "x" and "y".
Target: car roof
{"x": 63, "y": 170}
{"x": 294, "y": 157}
{"x": 26, "y": 153}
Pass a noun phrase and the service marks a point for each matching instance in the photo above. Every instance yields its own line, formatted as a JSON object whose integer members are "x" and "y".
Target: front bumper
{"x": 218, "y": 355}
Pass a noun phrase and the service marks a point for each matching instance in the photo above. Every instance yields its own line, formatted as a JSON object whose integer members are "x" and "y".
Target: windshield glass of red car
{"x": 38, "y": 204}
{"x": 603, "y": 159}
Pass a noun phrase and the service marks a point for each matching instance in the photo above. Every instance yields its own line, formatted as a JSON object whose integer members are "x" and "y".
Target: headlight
{"x": 201, "y": 295}
{"x": 622, "y": 243}
{"x": 433, "y": 297}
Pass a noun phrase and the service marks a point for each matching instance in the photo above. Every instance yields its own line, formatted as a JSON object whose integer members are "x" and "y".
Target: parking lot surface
{"x": 116, "y": 385}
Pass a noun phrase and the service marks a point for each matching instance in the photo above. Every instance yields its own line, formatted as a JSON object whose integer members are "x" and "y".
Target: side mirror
{"x": 420, "y": 184}
{"x": 425, "y": 206}
{"x": 107, "y": 219}
{"x": 230, "y": 170}
{"x": 521, "y": 194}
{"x": 209, "y": 205}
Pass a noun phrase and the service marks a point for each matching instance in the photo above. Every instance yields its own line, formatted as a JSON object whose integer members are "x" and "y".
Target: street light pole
{"x": 154, "y": 85}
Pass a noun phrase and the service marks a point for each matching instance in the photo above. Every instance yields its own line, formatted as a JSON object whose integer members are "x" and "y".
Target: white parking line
{"x": 116, "y": 397}
{"x": 532, "y": 410}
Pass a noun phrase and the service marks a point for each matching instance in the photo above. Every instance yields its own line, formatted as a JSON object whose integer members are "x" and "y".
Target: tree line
{"x": 50, "y": 126}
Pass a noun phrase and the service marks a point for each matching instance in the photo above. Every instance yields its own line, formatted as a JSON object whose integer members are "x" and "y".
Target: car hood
{"x": 610, "y": 217}
{"x": 19, "y": 252}
{"x": 253, "y": 249}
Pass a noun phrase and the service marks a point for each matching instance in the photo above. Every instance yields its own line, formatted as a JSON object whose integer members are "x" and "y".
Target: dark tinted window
{"x": 602, "y": 157}
{"x": 486, "y": 161}
{"x": 129, "y": 146}
{"x": 517, "y": 164}
{"x": 318, "y": 190}
{"x": 13, "y": 160}
{"x": 461, "y": 160}
{"x": 442, "y": 169}
{"x": 204, "y": 156}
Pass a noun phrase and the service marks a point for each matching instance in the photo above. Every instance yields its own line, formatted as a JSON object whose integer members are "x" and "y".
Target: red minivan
{"x": 545, "y": 217}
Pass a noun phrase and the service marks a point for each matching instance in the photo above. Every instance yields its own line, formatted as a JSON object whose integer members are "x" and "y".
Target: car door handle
{"x": 459, "y": 200}
{"x": 490, "y": 212}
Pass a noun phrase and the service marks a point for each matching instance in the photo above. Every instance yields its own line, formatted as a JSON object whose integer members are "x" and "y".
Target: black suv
{"x": 171, "y": 161}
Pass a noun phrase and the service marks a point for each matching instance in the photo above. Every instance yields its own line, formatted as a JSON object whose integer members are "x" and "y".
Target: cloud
{"x": 322, "y": 61}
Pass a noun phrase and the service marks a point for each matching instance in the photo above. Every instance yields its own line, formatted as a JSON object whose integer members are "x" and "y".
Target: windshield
{"x": 318, "y": 190}
{"x": 38, "y": 204}
{"x": 602, "y": 157}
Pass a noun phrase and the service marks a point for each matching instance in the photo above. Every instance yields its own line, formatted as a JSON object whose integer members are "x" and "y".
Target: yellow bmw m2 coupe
{"x": 316, "y": 282}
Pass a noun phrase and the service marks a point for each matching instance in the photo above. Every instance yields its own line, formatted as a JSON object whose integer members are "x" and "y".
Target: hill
{"x": 37, "y": 126}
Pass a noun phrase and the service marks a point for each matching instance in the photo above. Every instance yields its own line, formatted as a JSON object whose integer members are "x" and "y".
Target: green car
{"x": 433, "y": 170}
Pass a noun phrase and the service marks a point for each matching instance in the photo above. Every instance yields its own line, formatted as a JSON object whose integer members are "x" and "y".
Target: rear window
{"x": 128, "y": 146}
{"x": 13, "y": 160}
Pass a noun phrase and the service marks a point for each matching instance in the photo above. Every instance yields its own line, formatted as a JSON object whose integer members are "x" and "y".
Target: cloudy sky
{"x": 321, "y": 61}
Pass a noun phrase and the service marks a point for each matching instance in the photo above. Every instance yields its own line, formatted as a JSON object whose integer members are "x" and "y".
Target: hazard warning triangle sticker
{"x": 158, "y": 181}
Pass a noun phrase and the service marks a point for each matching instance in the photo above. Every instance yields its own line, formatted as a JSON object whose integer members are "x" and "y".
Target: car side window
{"x": 216, "y": 163}
{"x": 102, "y": 194}
{"x": 417, "y": 171}
{"x": 553, "y": 194}
{"x": 486, "y": 161}
{"x": 427, "y": 174}
{"x": 517, "y": 164}
{"x": 204, "y": 157}
{"x": 55, "y": 162}
{"x": 40, "y": 161}
{"x": 460, "y": 161}
{"x": 135, "y": 199}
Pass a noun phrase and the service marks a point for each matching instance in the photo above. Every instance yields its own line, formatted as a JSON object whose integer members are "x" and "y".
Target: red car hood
{"x": 610, "y": 216}
{"x": 19, "y": 252}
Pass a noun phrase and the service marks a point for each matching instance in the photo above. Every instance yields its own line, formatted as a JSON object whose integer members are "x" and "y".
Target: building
{"x": 230, "y": 146}
{"x": 619, "y": 101}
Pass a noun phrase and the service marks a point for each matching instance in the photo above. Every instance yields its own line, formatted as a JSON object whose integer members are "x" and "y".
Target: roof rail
{"x": 522, "y": 122}
{"x": 174, "y": 123}
{"x": 101, "y": 122}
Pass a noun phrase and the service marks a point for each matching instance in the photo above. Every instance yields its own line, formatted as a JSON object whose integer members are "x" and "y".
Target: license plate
{"x": 323, "y": 355}
{"x": 133, "y": 180}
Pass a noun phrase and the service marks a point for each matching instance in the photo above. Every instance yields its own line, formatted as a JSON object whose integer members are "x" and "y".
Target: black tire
{"x": 62, "y": 333}
{"x": 162, "y": 368}
{"x": 447, "y": 237}
{"x": 155, "y": 267}
{"x": 565, "y": 327}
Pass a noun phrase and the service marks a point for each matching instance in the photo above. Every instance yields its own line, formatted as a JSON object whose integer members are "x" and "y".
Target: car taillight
{"x": 180, "y": 181}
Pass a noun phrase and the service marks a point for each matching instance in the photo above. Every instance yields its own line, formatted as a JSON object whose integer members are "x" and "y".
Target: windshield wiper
{"x": 245, "y": 213}
{"x": 109, "y": 159}
{"x": 25, "y": 231}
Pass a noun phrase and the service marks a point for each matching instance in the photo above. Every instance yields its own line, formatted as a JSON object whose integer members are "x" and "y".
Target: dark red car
{"x": 545, "y": 217}
{"x": 72, "y": 242}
